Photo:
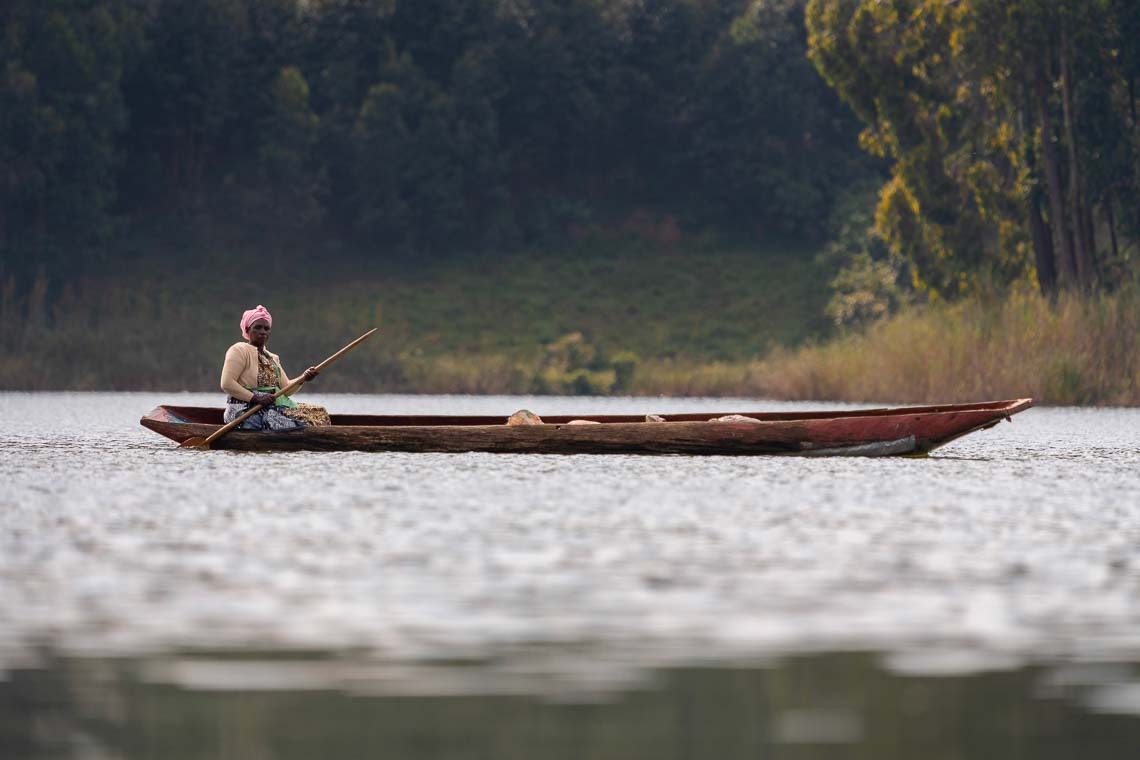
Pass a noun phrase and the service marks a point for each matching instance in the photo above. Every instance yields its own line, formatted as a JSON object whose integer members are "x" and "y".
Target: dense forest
{"x": 418, "y": 128}
{"x": 408, "y": 127}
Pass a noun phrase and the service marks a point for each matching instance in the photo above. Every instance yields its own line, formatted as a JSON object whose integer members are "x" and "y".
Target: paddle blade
{"x": 195, "y": 443}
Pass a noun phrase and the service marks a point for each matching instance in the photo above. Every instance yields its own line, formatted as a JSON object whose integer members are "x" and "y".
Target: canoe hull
{"x": 880, "y": 432}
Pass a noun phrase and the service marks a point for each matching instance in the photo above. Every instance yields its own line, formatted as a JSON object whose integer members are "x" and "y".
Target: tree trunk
{"x": 1082, "y": 256}
{"x": 1090, "y": 239}
{"x": 1110, "y": 217}
{"x": 1044, "y": 256}
{"x": 1042, "y": 248}
{"x": 1132, "y": 100}
{"x": 1061, "y": 242}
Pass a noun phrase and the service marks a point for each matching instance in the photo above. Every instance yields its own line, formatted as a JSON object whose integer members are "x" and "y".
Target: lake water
{"x": 155, "y": 602}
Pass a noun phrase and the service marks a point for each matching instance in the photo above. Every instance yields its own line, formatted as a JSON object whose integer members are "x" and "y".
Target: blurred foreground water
{"x": 154, "y": 602}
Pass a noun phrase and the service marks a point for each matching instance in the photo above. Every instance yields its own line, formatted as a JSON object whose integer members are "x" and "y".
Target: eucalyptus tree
{"x": 1010, "y": 125}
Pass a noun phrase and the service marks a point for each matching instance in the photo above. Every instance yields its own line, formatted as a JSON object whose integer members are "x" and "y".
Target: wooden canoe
{"x": 863, "y": 432}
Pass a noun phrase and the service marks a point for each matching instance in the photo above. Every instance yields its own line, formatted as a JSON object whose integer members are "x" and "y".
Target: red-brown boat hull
{"x": 869, "y": 432}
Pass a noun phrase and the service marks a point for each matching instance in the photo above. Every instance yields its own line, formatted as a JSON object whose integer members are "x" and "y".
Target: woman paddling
{"x": 251, "y": 375}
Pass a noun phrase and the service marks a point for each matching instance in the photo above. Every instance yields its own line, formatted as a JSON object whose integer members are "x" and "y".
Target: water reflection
{"x": 807, "y": 707}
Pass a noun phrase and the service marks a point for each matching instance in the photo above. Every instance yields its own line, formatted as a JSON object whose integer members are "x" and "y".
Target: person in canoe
{"x": 251, "y": 375}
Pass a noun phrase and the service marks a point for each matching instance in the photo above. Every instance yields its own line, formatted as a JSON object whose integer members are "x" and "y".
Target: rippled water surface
{"x": 423, "y": 588}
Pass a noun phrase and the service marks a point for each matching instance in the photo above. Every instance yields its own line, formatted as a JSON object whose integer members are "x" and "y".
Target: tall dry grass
{"x": 1074, "y": 351}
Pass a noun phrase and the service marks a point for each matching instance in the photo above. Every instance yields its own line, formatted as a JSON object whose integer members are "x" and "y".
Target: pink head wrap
{"x": 251, "y": 316}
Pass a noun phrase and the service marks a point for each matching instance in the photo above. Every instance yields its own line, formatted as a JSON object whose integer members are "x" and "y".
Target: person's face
{"x": 259, "y": 332}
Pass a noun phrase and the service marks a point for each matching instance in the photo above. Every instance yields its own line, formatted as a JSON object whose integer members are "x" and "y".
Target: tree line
{"x": 409, "y": 127}
{"x": 1011, "y": 128}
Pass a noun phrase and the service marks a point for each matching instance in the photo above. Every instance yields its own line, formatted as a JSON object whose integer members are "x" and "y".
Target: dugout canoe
{"x": 864, "y": 432}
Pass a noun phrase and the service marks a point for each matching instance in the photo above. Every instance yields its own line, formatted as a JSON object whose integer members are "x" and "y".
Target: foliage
{"x": 286, "y": 191}
{"x": 1012, "y": 131}
{"x": 61, "y": 111}
{"x": 870, "y": 281}
{"x": 406, "y": 128}
{"x": 571, "y": 365}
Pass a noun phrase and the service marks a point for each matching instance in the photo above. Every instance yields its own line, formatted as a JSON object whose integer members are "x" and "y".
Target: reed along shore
{"x": 1077, "y": 351}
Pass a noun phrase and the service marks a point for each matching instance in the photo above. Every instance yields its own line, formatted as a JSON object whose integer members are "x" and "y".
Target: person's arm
{"x": 231, "y": 374}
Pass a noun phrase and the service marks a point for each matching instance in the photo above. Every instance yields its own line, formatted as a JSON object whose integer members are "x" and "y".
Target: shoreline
{"x": 1080, "y": 352}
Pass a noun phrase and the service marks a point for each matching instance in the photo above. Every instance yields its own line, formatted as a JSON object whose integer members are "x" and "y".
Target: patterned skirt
{"x": 276, "y": 417}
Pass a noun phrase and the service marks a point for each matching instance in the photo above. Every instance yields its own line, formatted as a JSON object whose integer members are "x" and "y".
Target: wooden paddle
{"x": 204, "y": 443}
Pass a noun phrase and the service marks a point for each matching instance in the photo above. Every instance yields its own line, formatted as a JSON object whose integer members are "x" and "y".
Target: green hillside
{"x": 445, "y": 324}
{"x": 710, "y": 305}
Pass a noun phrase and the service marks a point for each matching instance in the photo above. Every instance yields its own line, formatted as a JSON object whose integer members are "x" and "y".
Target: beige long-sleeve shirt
{"x": 240, "y": 370}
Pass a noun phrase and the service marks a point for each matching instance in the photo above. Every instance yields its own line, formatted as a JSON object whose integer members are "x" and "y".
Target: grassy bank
{"x": 1073, "y": 352}
{"x": 596, "y": 319}
{"x": 580, "y": 320}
